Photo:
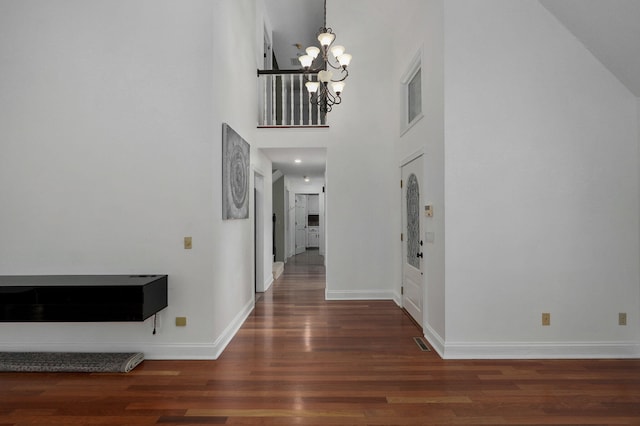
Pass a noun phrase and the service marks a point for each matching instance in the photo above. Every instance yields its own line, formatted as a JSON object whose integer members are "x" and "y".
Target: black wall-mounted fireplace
{"x": 81, "y": 298}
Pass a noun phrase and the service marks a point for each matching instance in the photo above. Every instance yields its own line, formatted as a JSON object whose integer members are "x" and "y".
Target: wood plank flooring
{"x": 301, "y": 360}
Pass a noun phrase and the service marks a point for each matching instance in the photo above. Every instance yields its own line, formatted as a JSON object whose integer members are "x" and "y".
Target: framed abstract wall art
{"x": 235, "y": 175}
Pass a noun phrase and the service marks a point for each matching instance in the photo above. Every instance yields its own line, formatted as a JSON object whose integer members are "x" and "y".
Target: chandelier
{"x": 327, "y": 90}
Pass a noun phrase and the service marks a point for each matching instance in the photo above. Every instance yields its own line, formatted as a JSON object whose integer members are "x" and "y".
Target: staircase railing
{"x": 284, "y": 100}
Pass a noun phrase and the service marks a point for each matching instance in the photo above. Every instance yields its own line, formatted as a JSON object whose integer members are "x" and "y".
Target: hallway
{"x": 299, "y": 359}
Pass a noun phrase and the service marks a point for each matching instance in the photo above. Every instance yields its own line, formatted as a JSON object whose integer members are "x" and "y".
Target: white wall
{"x": 263, "y": 178}
{"x": 422, "y": 33}
{"x": 541, "y": 189}
{"x": 111, "y": 154}
{"x": 263, "y": 23}
{"x": 360, "y": 175}
{"x": 234, "y": 62}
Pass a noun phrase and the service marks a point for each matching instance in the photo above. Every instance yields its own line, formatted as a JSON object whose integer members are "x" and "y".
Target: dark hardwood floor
{"x": 301, "y": 360}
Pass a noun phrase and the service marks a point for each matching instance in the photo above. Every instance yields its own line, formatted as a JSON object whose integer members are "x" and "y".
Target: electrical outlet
{"x": 181, "y": 321}
{"x": 546, "y": 318}
{"x": 622, "y": 318}
{"x": 187, "y": 243}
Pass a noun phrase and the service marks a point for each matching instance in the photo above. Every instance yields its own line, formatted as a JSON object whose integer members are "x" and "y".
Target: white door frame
{"x": 287, "y": 224}
{"x": 259, "y": 230}
{"x": 300, "y": 248}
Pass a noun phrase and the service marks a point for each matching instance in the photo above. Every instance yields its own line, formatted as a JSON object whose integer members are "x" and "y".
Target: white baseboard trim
{"x": 223, "y": 340}
{"x": 180, "y": 351}
{"x": 168, "y": 351}
{"x": 540, "y": 350}
{"x": 435, "y": 340}
{"x": 359, "y": 295}
{"x": 159, "y": 351}
{"x": 268, "y": 282}
{"x": 397, "y": 297}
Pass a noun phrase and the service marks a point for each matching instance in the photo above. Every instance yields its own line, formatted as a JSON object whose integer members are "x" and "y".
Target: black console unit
{"x": 81, "y": 298}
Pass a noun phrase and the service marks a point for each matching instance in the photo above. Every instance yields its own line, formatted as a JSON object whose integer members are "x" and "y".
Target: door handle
{"x": 419, "y": 255}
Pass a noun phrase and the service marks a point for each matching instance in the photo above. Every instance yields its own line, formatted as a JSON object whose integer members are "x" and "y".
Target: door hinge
{"x": 401, "y": 290}
{"x": 401, "y": 236}
{"x": 400, "y": 183}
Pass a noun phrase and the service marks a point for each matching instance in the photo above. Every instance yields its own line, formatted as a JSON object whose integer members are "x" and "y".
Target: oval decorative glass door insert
{"x": 413, "y": 221}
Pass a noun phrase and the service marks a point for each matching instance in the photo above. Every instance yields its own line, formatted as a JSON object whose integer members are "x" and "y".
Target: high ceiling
{"x": 610, "y": 29}
{"x": 294, "y": 22}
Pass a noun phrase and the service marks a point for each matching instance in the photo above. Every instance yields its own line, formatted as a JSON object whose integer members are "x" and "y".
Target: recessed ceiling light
{"x": 306, "y": 179}
{"x": 297, "y": 161}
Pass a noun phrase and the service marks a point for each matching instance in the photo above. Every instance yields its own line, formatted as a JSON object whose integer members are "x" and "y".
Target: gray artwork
{"x": 235, "y": 175}
{"x": 413, "y": 221}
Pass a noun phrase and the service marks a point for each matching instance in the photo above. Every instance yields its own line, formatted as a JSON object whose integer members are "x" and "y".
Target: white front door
{"x": 412, "y": 253}
{"x": 301, "y": 223}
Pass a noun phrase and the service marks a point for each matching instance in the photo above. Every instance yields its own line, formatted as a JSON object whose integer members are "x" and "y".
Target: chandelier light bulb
{"x": 326, "y": 39}
{"x": 305, "y": 60}
{"x": 337, "y": 50}
{"x": 313, "y": 51}
{"x": 344, "y": 59}
{"x": 312, "y": 86}
{"x": 325, "y": 76}
{"x": 338, "y": 87}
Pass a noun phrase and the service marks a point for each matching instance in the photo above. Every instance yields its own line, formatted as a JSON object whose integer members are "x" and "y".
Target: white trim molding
{"x": 268, "y": 282}
{"x": 540, "y": 350}
{"x": 414, "y": 67}
{"x": 223, "y": 340}
{"x": 359, "y": 295}
{"x": 397, "y": 297}
{"x": 163, "y": 351}
{"x": 435, "y": 340}
{"x": 159, "y": 351}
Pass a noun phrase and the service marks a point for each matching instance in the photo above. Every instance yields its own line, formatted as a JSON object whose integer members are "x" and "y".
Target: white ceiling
{"x": 610, "y": 29}
{"x": 294, "y": 21}
{"x": 283, "y": 159}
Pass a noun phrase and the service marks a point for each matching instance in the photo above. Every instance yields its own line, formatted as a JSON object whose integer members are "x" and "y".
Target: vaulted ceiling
{"x": 610, "y": 29}
{"x": 295, "y": 23}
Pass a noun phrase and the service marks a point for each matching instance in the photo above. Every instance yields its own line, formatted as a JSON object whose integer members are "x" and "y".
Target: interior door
{"x": 413, "y": 257}
{"x": 301, "y": 223}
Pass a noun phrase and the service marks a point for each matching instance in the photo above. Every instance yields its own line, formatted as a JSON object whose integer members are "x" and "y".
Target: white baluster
{"x": 263, "y": 82}
{"x": 301, "y": 105}
{"x": 274, "y": 100}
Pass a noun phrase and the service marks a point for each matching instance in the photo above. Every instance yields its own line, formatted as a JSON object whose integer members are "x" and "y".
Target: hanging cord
{"x": 155, "y": 320}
